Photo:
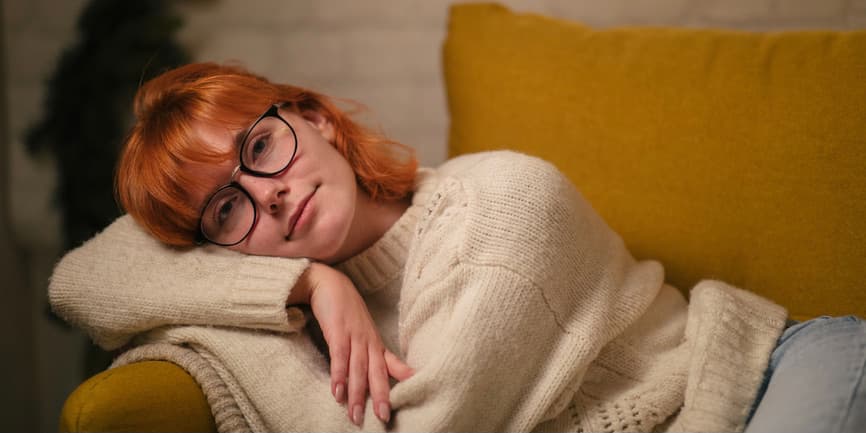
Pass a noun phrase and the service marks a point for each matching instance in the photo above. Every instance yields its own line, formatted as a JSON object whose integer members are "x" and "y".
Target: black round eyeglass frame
{"x": 272, "y": 111}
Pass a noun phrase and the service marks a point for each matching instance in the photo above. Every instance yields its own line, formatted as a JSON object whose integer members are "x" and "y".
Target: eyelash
{"x": 219, "y": 207}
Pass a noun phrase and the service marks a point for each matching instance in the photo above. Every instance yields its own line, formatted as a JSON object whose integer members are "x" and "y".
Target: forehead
{"x": 215, "y": 137}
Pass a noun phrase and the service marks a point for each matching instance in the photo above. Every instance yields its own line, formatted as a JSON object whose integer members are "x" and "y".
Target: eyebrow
{"x": 241, "y": 134}
{"x": 238, "y": 138}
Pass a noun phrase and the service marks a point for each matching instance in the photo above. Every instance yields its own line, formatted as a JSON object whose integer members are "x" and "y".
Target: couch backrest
{"x": 730, "y": 155}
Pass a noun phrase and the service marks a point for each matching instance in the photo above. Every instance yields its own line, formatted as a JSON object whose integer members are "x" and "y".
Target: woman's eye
{"x": 259, "y": 147}
{"x": 224, "y": 212}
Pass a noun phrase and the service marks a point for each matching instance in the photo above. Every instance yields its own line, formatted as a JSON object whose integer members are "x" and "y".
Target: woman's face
{"x": 306, "y": 210}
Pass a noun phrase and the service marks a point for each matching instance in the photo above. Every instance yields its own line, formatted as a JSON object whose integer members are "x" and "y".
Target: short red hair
{"x": 153, "y": 183}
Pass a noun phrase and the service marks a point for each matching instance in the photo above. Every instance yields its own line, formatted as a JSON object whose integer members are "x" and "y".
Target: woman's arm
{"x": 486, "y": 359}
{"x": 513, "y": 288}
{"x": 123, "y": 282}
{"x": 359, "y": 359}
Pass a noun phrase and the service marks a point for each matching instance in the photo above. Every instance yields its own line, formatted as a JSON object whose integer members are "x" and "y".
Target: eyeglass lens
{"x": 269, "y": 146}
{"x": 228, "y": 217}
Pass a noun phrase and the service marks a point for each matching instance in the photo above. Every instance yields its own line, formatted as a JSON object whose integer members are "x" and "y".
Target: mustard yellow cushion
{"x": 729, "y": 155}
{"x": 151, "y": 396}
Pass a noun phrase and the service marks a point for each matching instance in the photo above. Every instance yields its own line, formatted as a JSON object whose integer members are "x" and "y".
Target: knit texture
{"x": 518, "y": 307}
{"x": 123, "y": 282}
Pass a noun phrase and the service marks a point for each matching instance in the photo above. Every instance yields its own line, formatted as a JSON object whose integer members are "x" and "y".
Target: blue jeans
{"x": 815, "y": 382}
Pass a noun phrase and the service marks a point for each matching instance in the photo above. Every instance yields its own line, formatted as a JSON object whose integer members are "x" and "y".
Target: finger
{"x": 379, "y": 386}
{"x": 396, "y": 367}
{"x": 339, "y": 351}
{"x": 357, "y": 381}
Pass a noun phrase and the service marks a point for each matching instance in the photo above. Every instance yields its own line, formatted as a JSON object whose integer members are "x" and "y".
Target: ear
{"x": 321, "y": 123}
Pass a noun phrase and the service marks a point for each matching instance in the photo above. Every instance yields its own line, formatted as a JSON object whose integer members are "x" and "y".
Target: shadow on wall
{"x": 88, "y": 110}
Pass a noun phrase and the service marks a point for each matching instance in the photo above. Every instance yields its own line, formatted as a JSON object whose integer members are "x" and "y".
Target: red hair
{"x": 153, "y": 183}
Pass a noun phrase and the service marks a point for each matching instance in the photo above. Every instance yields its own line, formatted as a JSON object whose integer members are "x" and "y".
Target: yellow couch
{"x": 729, "y": 155}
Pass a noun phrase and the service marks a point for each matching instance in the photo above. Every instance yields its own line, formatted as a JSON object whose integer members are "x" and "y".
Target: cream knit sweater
{"x": 515, "y": 303}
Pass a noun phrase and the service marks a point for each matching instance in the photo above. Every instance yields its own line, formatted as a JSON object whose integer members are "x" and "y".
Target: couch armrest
{"x": 148, "y": 396}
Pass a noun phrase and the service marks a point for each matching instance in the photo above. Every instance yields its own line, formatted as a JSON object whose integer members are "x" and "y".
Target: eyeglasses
{"x": 266, "y": 149}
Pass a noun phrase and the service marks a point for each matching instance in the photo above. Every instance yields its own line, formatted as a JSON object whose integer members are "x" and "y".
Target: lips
{"x": 299, "y": 210}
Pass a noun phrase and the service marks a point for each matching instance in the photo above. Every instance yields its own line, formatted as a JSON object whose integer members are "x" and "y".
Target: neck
{"x": 372, "y": 219}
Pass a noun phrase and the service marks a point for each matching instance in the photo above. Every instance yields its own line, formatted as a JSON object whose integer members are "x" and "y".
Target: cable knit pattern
{"x": 518, "y": 307}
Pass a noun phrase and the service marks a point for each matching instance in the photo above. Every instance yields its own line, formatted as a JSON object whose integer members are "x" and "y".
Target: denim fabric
{"x": 814, "y": 382}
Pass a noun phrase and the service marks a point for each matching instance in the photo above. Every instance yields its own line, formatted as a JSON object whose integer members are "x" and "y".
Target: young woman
{"x": 514, "y": 306}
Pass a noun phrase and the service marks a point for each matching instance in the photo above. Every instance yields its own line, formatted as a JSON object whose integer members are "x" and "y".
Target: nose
{"x": 268, "y": 193}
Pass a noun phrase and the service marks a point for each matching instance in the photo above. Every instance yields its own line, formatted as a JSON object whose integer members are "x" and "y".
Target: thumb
{"x": 396, "y": 367}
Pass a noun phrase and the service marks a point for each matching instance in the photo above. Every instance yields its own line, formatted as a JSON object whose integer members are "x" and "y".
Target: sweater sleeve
{"x": 513, "y": 287}
{"x": 123, "y": 282}
{"x": 482, "y": 365}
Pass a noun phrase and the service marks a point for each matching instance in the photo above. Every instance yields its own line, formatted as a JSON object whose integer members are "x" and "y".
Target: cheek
{"x": 334, "y": 218}
{"x": 263, "y": 240}
{"x": 327, "y": 218}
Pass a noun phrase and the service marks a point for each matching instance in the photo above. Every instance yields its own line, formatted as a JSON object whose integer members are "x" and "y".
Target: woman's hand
{"x": 358, "y": 355}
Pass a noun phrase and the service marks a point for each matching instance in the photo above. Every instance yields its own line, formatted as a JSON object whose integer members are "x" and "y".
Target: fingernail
{"x": 357, "y": 415}
{"x": 384, "y": 412}
{"x": 339, "y": 392}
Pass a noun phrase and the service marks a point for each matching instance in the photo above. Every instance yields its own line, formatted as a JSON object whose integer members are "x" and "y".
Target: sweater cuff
{"x": 259, "y": 290}
{"x": 733, "y": 333}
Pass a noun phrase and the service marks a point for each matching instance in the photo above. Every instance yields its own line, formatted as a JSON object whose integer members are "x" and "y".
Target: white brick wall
{"x": 383, "y": 53}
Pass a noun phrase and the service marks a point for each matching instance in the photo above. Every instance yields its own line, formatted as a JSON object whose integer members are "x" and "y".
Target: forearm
{"x": 307, "y": 282}
{"x": 123, "y": 282}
